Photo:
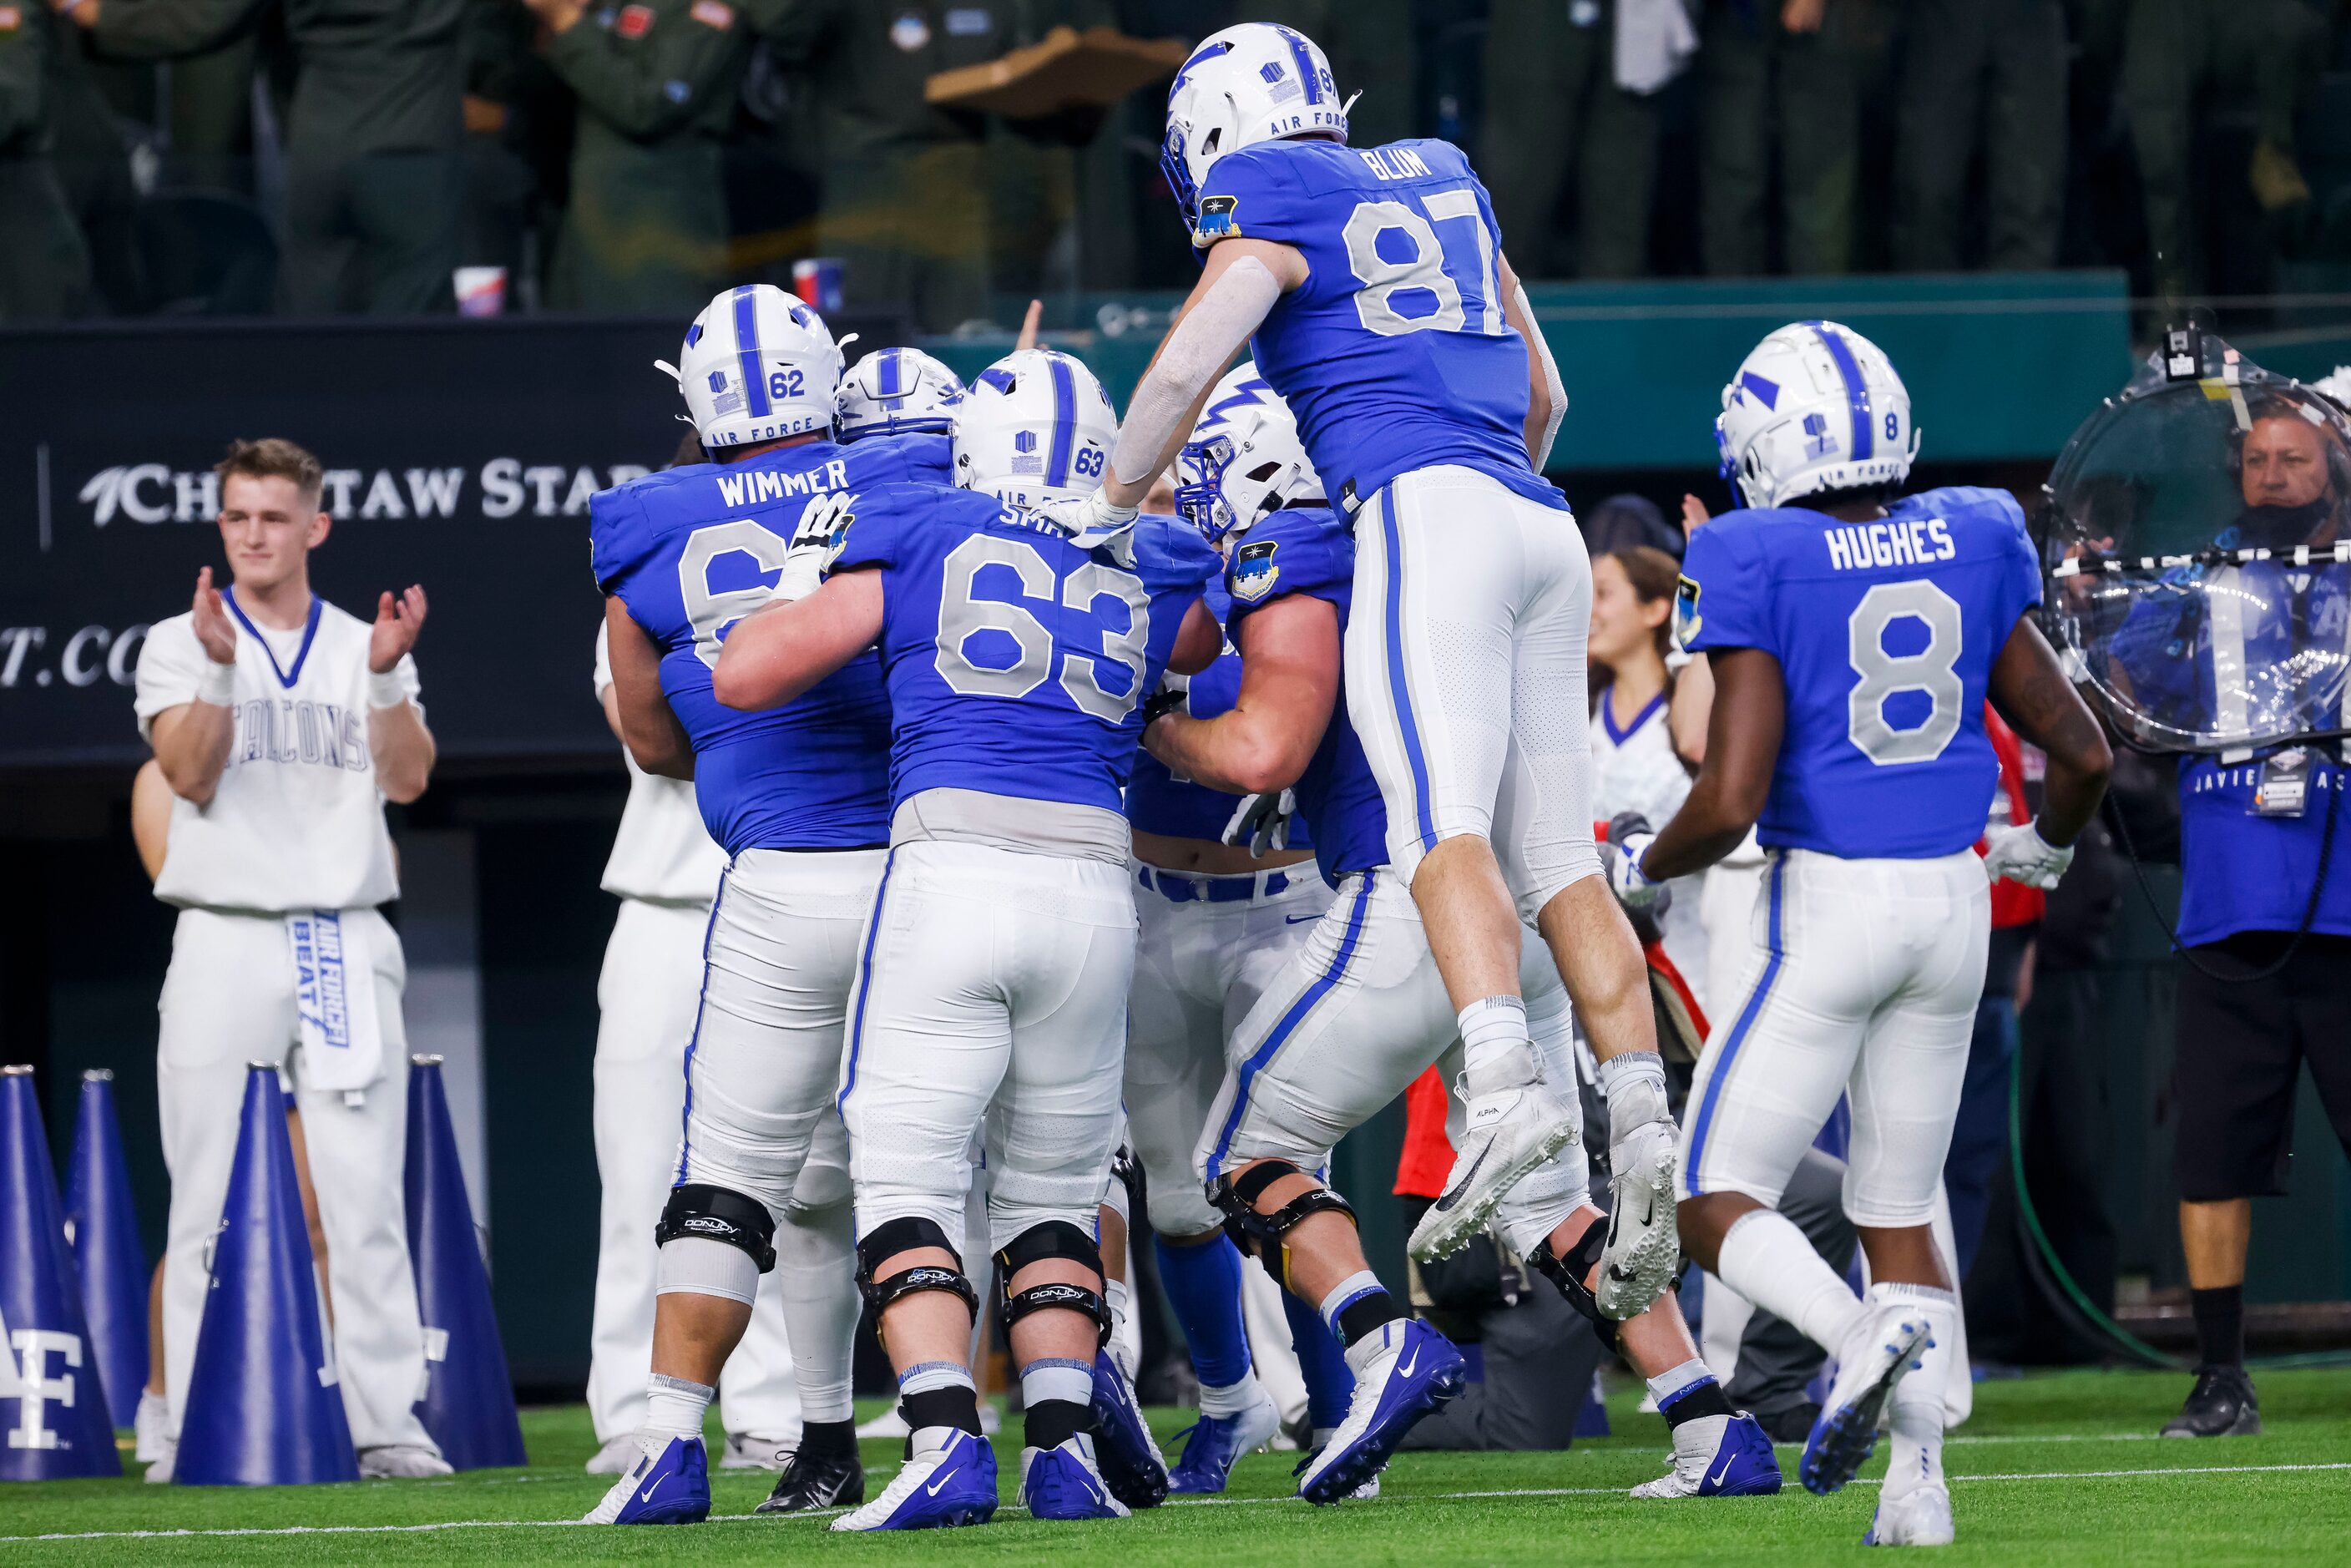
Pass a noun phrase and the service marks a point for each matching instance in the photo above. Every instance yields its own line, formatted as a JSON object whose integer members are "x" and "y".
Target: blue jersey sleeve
{"x": 1289, "y": 554}
{"x": 1252, "y": 197}
{"x": 874, "y": 535}
{"x": 617, "y": 537}
{"x": 1724, "y": 600}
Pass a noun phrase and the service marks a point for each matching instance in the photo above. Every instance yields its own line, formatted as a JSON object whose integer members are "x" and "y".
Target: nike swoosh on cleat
{"x": 1451, "y": 1198}
{"x": 647, "y": 1495}
{"x": 933, "y": 1489}
{"x": 1405, "y": 1369}
{"x": 1716, "y": 1478}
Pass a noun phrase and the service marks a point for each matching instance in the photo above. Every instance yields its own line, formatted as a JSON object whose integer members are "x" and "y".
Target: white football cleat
{"x": 617, "y": 1454}
{"x": 401, "y": 1461}
{"x": 1882, "y": 1348}
{"x": 1509, "y": 1133}
{"x": 948, "y": 1481}
{"x": 1644, "y": 1243}
{"x": 1919, "y": 1516}
{"x": 747, "y": 1452}
{"x": 1717, "y": 1455}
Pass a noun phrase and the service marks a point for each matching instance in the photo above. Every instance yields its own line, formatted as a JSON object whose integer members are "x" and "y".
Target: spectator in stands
{"x": 1556, "y": 116}
{"x": 1987, "y": 74}
{"x": 647, "y": 228}
{"x": 374, "y": 171}
{"x": 2179, "y": 56}
{"x": 44, "y": 263}
{"x": 1794, "y": 67}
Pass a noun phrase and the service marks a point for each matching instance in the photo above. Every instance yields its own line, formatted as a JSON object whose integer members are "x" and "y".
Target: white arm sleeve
{"x": 1199, "y": 350}
{"x": 1551, "y": 384}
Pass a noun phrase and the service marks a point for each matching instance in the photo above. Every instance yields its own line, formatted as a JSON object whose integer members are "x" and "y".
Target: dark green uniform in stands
{"x": 646, "y": 229}
{"x": 44, "y": 264}
{"x": 1748, "y": 63}
{"x": 907, "y": 186}
{"x": 1989, "y": 73}
{"x": 1553, "y": 112}
{"x": 2178, "y": 55}
{"x": 373, "y": 168}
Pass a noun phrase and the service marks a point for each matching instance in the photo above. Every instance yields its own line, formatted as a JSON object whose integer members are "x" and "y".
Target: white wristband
{"x": 386, "y": 690}
{"x": 217, "y": 686}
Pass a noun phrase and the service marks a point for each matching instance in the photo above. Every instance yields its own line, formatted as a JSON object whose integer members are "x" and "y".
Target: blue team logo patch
{"x": 1024, "y": 441}
{"x": 1819, "y": 439}
{"x": 1687, "y": 620}
{"x": 1217, "y": 220}
{"x": 1254, "y": 572}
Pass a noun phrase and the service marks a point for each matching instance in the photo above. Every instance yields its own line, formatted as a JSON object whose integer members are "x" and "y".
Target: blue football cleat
{"x": 669, "y": 1484}
{"x": 1213, "y": 1444}
{"x": 1065, "y": 1482}
{"x": 1875, "y": 1358}
{"x": 1130, "y": 1461}
{"x": 948, "y": 1479}
{"x": 1717, "y": 1455}
{"x": 1415, "y": 1370}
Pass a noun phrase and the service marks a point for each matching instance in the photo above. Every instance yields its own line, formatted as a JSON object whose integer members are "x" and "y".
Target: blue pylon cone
{"x": 104, "y": 1231}
{"x": 468, "y": 1405}
{"x": 263, "y": 1408}
{"x": 52, "y": 1402}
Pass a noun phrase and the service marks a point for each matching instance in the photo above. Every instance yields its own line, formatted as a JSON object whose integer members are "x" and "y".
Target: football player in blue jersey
{"x": 897, "y": 391}
{"x": 1361, "y": 1010}
{"x": 1854, "y": 634}
{"x": 1217, "y": 920}
{"x": 799, "y": 799}
{"x": 997, "y": 955}
{"x": 1383, "y": 308}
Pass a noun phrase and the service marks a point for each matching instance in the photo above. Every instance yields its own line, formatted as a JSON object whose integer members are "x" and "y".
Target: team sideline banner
{"x": 460, "y": 454}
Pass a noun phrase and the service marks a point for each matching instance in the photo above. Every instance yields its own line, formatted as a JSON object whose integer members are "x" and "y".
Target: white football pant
{"x": 991, "y": 999}
{"x": 647, "y": 997}
{"x": 1861, "y": 980}
{"x": 1465, "y": 667}
{"x": 228, "y": 1000}
{"x": 1199, "y": 967}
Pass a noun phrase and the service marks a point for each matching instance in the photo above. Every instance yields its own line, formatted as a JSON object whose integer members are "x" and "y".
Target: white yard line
{"x": 1188, "y": 1503}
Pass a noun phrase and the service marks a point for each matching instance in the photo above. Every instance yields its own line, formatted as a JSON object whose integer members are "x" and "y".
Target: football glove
{"x": 1091, "y": 521}
{"x": 2020, "y": 853}
{"x": 815, "y": 544}
{"x": 1262, "y": 821}
{"x": 1628, "y": 840}
{"x": 1172, "y": 695}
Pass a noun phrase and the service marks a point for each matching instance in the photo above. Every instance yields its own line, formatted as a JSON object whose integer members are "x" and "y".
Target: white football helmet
{"x": 1036, "y": 426}
{"x": 758, "y": 365}
{"x": 1247, "y": 84}
{"x": 1244, "y": 458}
{"x": 1814, "y": 407}
{"x": 896, "y": 391}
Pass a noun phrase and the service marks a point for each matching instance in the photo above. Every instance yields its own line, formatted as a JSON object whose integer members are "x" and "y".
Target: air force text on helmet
{"x": 509, "y": 486}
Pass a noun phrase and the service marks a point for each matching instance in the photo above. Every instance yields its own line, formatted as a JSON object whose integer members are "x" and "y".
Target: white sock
{"x": 1054, "y": 1378}
{"x": 1635, "y": 1086}
{"x": 1673, "y": 1379}
{"x": 1115, "y": 1296}
{"x": 674, "y": 1406}
{"x": 1232, "y": 1398}
{"x": 1767, "y": 1259}
{"x": 1914, "y": 1456}
{"x": 1495, "y": 1049}
{"x": 816, "y": 1269}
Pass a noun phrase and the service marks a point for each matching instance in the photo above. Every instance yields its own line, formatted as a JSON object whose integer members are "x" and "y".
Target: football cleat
{"x": 948, "y": 1479}
{"x": 1364, "y": 1493}
{"x": 1717, "y": 1455}
{"x": 1064, "y": 1482}
{"x": 1919, "y": 1516}
{"x": 1644, "y": 1244}
{"x": 1213, "y": 1444}
{"x": 1130, "y": 1461}
{"x": 812, "y": 1481}
{"x": 1509, "y": 1133}
{"x": 616, "y": 1455}
{"x": 1876, "y": 1356}
{"x": 401, "y": 1461}
{"x": 1415, "y": 1370}
{"x": 2221, "y": 1404}
{"x": 669, "y": 1484}
{"x": 747, "y": 1452}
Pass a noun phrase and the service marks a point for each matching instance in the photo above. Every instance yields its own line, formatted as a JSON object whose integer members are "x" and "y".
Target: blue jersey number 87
{"x": 1427, "y": 289}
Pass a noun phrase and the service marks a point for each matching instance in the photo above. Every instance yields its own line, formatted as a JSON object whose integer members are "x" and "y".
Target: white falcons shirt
{"x": 298, "y": 821}
{"x": 663, "y": 853}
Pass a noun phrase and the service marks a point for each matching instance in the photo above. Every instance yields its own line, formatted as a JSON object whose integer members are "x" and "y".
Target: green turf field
{"x": 2056, "y": 1468}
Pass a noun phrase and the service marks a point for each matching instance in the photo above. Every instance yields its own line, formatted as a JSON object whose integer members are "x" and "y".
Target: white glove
{"x": 2020, "y": 853}
{"x": 1091, "y": 521}
{"x": 1622, "y": 863}
{"x": 816, "y": 543}
{"x": 1262, "y": 821}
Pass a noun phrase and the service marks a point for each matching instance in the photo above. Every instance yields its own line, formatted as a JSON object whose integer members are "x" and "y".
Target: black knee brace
{"x": 719, "y": 1214}
{"x": 894, "y": 1237}
{"x": 1568, "y": 1273}
{"x": 1054, "y": 1238}
{"x": 1262, "y": 1233}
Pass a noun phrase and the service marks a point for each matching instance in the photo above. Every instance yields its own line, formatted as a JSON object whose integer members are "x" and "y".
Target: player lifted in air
{"x": 1854, "y": 634}
{"x": 798, "y": 796}
{"x": 1360, "y": 1011}
{"x": 1384, "y": 309}
{"x": 993, "y": 979}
